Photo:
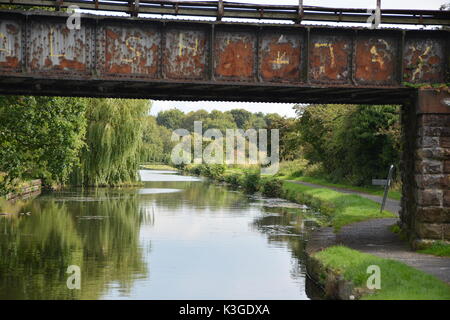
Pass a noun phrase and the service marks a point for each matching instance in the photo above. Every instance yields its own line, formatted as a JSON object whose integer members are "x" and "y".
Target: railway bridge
{"x": 173, "y": 59}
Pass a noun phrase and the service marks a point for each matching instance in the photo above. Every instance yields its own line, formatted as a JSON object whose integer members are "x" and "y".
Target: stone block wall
{"x": 425, "y": 164}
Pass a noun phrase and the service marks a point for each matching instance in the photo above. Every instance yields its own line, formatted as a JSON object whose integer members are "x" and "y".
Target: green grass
{"x": 342, "y": 208}
{"x": 373, "y": 190}
{"x": 158, "y": 167}
{"x": 438, "y": 249}
{"x": 398, "y": 281}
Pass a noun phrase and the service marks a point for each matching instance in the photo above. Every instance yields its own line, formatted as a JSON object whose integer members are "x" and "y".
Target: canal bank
{"x": 367, "y": 236}
{"x": 26, "y": 189}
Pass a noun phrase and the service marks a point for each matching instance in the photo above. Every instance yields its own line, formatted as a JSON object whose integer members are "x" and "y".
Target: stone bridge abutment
{"x": 425, "y": 166}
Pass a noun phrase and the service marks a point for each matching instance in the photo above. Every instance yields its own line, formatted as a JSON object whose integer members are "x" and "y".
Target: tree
{"x": 171, "y": 119}
{"x": 113, "y": 142}
{"x": 240, "y": 116}
{"x": 353, "y": 143}
{"x": 157, "y": 145}
{"x": 40, "y": 137}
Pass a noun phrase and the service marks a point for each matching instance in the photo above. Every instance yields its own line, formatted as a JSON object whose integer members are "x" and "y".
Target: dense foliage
{"x": 40, "y": 137}
{"x": 156, "y": 142}
{"x": 352, "y": 143}
{"x": 113, "y": 142}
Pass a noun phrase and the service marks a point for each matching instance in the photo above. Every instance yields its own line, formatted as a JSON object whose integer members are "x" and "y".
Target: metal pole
{"x": 300, "y": 11}
{"x": 220, "y": 10}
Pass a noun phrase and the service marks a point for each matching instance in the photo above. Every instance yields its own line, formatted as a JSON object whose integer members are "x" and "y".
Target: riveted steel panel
{"x": 424, "y": 60}
{"x": 185, "y": 54}
{"x": 130, "y": 51}
{"x": 330, "y": 58}
{"x": 375, "y": 60}
{"x": 280, "y": 56}
{"x": 235, "y": 55}
{"x": 53, "y": 47}
{"x": 10, "y": 45}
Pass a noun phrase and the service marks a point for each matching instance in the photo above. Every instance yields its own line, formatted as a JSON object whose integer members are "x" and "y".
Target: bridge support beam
{"x": 425, "y": 165}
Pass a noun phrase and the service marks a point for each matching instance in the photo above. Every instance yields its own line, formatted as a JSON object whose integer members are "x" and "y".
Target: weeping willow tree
{"x": 113, "y": 142}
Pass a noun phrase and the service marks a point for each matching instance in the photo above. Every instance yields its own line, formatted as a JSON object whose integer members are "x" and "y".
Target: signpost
{"x": 386, "y": 183}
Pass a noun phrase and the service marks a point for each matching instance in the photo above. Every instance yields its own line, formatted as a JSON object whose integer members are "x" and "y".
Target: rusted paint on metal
{"x": 330, "y": 58}
{"x": 280, "y": 57}
{"x": 375, "y": 60}
{"x": 53, "y": 47}
{"x": 131, "y": 51}
{"x": 10, "y": 45}
{"x": 235, "y": 54}
{"x": 432, "y": 101}
{"x": 424, "y": 60}
{"x": 185, "y": 54}
{"x": 271, "y": 63}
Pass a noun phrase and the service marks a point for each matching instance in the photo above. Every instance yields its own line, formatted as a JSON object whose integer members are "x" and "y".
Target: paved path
{"x": 391, "y": 205}
{"x": 374, "y": 237}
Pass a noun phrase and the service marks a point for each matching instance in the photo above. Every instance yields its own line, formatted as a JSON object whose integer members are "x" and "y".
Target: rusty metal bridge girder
{"x": 213, "y": 60}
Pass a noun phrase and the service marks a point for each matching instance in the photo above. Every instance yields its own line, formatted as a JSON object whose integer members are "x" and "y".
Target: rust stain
{"x": 280, "y": 59}
{"x": 375, "y": 60}
{"x": 330, "y": 59}
{"x": 422, "y": 61}
{"x": 185, "y": 54}
{"x": 54, "y": 47}
{"x": 131, "y": 51}
{"x": 11, "y": 62}
{"x": 236, "y": 59}
{"x": 10, "y": 48}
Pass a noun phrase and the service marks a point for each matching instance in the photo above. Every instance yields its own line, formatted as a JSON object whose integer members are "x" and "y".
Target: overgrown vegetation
{"x": 438, "y": 248}
{"x": 343, "y": 145}
{"x": 40, "y": 137}
{"x": 70, "y": 140}
{"x": 113, "y": 142}
{"x": 350, "y": 143}
{"x": 398, "y": 281}
{"x": 341, "y": 208}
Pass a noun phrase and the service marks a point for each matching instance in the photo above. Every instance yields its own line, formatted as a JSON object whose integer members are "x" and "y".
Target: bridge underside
{"x": 179, "y": 60}
{"x": 204, "y": 91}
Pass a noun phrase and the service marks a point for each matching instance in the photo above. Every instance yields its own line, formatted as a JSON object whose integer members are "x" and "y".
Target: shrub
{"x": 251, "y": 181}
{"x": 272, "y": 187}
{"x": 234, "y": 179}
{"x": 214, "y": 171}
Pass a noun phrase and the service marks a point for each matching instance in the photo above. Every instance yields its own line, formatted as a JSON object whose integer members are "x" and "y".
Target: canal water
{"x": 176, "y": 237}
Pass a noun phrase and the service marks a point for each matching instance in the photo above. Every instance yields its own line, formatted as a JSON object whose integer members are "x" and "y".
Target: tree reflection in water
{"x": 97, "y": 230}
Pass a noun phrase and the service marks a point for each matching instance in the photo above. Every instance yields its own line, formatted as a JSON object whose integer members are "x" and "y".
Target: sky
{"x": 281, "y": 108}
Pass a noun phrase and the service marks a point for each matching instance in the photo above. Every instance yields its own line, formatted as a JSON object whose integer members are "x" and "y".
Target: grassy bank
{"x": 439, "y": 249}
{"x": 398, "y": 281}
{"x": 342, "y": 208}
{"x": 373, "y": 190}
{"x": 301, "y": 170}
{"x": 158, "y": 166}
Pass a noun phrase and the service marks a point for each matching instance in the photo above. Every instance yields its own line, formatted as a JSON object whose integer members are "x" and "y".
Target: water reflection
{"x": 176, "y": 239}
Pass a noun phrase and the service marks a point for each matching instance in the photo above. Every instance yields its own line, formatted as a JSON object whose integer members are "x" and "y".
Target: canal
{"x": 176, "y": 237}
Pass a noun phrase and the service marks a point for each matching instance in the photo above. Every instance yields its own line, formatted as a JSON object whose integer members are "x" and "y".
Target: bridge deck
{"x": 214, "y": 60}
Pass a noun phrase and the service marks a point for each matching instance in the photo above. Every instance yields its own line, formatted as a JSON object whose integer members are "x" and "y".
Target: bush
{"x": 214, "y": 171}
{"x": 234, "y": 179}
{"x": 272, "y": 187}
{"x": 294, "y": 168}
{"x": 251, "y": 181}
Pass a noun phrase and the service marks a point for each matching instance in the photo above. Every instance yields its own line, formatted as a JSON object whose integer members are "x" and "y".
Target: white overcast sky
{"x": 286, "y": 109}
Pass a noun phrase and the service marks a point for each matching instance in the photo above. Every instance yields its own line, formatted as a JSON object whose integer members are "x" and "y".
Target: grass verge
{"x": 398, "y": 281}
{"x": 341, "y": 208}
{"x": 376, "y": 191}
{"x": 437, "y": 249}
{"x": 158, "y": 167}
